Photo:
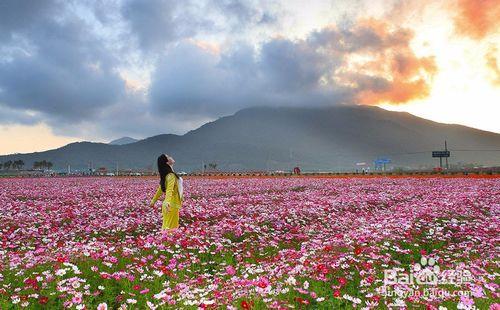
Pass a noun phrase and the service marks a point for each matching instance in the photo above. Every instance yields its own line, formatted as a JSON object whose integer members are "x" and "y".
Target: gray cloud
{"x": 11, "y": 116}
{"x": 192, "y": 80}
{"x": 67, "y": 76}
{"x": 16, "y": 16}
{"x": 66, "y": 73}
{"x": 60, "y": 64}
{"x": 155, "y": 22}
{"x": 312, "y": 71}
{"x": 244, "y": 12}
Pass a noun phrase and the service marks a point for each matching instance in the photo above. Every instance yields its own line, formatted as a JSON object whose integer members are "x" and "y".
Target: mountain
{"x": 330, "y": 138}
{"x": 123, "y": 141}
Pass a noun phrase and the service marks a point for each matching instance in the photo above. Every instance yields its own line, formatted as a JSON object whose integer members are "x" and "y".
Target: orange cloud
{"x": 477, "y": 18}
{"x": 405, "y": 65}
{"x": 405, "y": 81}
{"x": 384, "y": 68}
{"x": 397, "y": 92}
{"x": 493, "y": 65}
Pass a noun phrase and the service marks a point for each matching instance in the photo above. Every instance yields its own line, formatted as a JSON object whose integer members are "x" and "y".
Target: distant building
{"x": 102, "y": 171}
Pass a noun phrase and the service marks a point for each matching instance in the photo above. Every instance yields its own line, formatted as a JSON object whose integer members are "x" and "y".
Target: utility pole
{"x": 116, "y": 169}
{"x": 446, "y": 149}
{"x": 267, "y": 161}
{"x": 69, "y": 169}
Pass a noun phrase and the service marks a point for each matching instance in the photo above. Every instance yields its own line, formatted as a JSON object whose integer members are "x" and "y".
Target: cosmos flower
{"x": 244, "y": 240}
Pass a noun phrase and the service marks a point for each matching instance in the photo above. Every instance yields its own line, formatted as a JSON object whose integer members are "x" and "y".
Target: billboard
{"x": 440, "y": 153}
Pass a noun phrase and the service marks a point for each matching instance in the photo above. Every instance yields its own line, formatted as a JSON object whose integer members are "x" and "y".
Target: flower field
{"x": 251, "y": 243}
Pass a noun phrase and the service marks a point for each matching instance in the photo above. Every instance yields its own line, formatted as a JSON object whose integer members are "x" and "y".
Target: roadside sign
{"x": 440, "y": 153}
{"x": 381, "y": 161}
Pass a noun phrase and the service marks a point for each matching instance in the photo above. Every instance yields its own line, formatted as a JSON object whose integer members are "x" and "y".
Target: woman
{"x": 171, "y": 185}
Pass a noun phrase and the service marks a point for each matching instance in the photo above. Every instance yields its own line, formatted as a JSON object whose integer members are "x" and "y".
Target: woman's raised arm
{"x": 156, "y": 196}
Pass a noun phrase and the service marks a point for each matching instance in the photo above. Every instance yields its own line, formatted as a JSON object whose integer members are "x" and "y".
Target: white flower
{"x": 160, "y": 295}
{"x": 306, "y": 285}
{"x": 101, "y": 287}
{"x": 131, "y": 301}
{"x": 60, "y": 272}
{"x": 291, "y": 280}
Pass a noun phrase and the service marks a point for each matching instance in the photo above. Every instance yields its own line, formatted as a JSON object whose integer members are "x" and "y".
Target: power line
{"x": 465, "y": 150}
{"x": 454, "y": 150}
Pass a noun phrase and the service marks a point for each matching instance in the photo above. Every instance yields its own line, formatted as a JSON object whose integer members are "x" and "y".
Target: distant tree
{"x": 212, "y": 166}
{"x": 18, "y": 164}
{"x": 43, "y": 164}
{"x": 7, "y": 164}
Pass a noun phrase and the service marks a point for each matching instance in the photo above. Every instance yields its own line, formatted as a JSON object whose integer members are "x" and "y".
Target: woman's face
{"x": 170, "y": 161}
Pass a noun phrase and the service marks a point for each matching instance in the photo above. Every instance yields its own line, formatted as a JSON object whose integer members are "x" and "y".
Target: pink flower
{"x": 230, "y": 270}
{"x": 477, "y": 291}
{"x": 102, "y": 306}
{"x": 466, "y": 301}
{"x": 77, "y": 299}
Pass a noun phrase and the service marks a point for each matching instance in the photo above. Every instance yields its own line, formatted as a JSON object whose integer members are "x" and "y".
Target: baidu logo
{"x": 425, "y": 272}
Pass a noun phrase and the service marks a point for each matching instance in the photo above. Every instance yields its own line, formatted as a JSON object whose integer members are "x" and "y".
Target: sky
{"x": 99, "y": 70}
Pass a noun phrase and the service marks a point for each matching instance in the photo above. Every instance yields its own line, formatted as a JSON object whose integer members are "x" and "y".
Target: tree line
{"x": 19, "y": 164}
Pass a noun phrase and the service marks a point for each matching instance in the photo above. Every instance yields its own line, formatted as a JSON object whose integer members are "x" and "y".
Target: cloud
{"x": 71, "y": 65}
{"x": 493, "y": 65}
{"x": 14, "y": 116}
{"x": 369, "y": 63}
{"x": 60, "y": 70}
{"x": 244, "y": 12}
{"x": 156, "y": 23}
{"x": 378, "y": 64}
{"x": 477, "y": 18}
{"x": 17, "y": 15}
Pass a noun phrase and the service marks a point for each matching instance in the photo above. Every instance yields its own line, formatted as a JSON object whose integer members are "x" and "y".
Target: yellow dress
{"x": 172, "y": 203}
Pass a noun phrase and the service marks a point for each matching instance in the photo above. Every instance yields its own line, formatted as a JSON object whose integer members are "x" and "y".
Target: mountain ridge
{"x": 277, "y": 138}
{"x": 123, "y": 141}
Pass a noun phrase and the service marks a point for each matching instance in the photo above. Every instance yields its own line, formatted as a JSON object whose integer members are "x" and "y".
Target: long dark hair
{"x": 163, "y": 170}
